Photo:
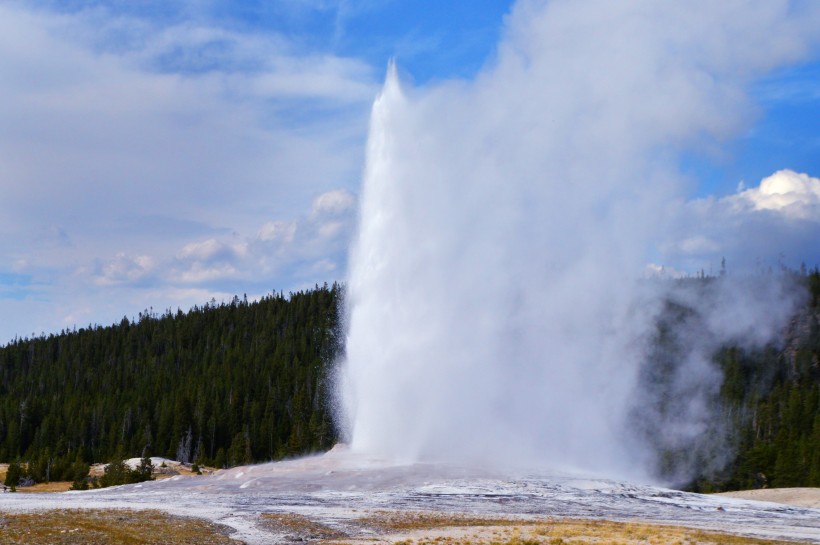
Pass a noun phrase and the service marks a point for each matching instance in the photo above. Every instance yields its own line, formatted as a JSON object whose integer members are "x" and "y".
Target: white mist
{"x": 494, "y": 314}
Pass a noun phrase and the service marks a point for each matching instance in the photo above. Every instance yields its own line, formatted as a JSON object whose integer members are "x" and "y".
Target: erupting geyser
{"x": 494, "y": 310}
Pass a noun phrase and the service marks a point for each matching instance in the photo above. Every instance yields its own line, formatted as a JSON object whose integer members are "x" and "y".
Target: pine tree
{"x": 13, "y": 475}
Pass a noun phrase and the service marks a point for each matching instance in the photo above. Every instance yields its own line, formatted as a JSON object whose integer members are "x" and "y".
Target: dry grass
{"x": 596, "y": 531}
{"x": 108, "y": 527}
{"x": 56, "y": 486}
{"x": 299, "y": 528}
{"x": 401, "y": 528}
{"x": 129, "y": 527}
{"x": 402, "y": 521}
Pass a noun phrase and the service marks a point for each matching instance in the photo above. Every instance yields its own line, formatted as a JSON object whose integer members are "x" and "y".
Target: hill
{"x": 238, "y": 382}
{"x": 224, "y": 384}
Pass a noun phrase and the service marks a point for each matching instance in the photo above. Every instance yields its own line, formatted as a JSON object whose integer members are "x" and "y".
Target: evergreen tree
{"x": 181, "y": 384}
{"x": 13, "y": 475}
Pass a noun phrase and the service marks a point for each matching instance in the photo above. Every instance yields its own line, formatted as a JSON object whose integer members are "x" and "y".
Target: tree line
{"x": 241, "y": 382}
{"x": 772, "y": 400}
{"x": 223, "y": 384}
{"x": 765, "y": 425}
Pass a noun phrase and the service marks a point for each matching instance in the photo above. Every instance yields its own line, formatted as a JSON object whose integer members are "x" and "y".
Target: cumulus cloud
{"x": 320, "y": 236}
{"x": 125, "y": 269}
{"x": 794, "y": 195}
{"x": 277, "y": 231}
{"x": 330, "y": 229}
{"x": 775, "y": 223}
{"x": 335, "y": 202}
{"x": 212, "y": 250}
{"x": 198, "y": 272}
{"x": 305, "y": 249}
{"x": 207, "y": 261}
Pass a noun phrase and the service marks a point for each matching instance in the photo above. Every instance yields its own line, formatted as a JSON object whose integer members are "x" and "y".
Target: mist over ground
{"x": 496, "y": 309}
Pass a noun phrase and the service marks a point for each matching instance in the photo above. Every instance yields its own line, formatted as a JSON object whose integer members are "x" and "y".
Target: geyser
{"x": 494, "y": 310}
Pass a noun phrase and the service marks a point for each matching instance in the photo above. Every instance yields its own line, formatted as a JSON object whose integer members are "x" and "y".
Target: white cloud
{"x": 129, "y": 137}
{"x": 198, "y": 273}
{"x": 322, "y": 77}
{"x": 792, "y": 194}
{"x": 305, "y": 249}
{"x": 774, "y": 223}
{"x": 277, "y": 231}
{"x": 334, "y": 202}
{"x": 331, "y": 229}
{"x": 212, "y": 250}
{"x": 322, "y": 234}
{"x": 698, "y": 244}
{"x": 323, "y": 266}
{"x": 124, "y": 269}
{"x": 141, "y": 155}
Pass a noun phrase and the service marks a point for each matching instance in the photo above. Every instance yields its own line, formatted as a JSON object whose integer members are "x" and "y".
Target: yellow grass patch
{"x": 108, "y": 527}
{"x": 56, "y": 486}
{"x": 403, "y": 528}
{"x": 399, "y": 521}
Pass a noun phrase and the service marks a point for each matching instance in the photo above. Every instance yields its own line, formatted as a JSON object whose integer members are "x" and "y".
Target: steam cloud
{"x": 494, "y": 312}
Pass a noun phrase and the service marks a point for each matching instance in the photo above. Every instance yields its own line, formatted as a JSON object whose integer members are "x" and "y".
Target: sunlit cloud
{"x": 794, "y": 195}
{"x": 772, "y": 224}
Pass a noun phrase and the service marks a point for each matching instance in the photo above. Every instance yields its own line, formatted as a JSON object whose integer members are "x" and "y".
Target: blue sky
{"x": 784, "y": 132}
{"x": 161, "y": 154}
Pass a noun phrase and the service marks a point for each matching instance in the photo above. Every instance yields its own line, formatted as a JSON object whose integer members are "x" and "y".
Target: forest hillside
{"x": 240, "y": 382}
{"x": 223, "y": 384}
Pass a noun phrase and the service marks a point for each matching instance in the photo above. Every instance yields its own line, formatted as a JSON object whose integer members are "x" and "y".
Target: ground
{"x": 405, "y": 528}
{"x": 108, "y": 527}
{"x": 343, "y": 498}
{"x": 803, "y": 497}
{"x": 129, "y": 527}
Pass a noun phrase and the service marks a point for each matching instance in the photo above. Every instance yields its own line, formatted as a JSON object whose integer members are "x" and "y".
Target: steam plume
{"x": 494, "y": 314}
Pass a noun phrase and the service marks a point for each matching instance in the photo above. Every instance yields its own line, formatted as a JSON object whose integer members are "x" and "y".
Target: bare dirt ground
{"x": 803, "y": 497}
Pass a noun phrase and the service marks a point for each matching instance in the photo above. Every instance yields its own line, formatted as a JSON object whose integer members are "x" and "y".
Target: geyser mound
{"x": 495, "y": 311}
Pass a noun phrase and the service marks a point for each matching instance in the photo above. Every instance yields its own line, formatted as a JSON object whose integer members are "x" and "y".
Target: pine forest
{"x": 242, "y": 382}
